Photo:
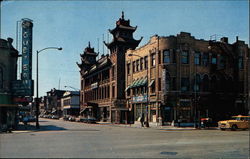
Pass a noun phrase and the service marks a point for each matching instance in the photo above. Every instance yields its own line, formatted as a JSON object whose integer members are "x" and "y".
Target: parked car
{"x": 31, "y": 118}
{"x": 237, "y": 122}
{"x": 55, "y": 117}
{"x": 91, "y": 120}
{"x": 72, "y": 118}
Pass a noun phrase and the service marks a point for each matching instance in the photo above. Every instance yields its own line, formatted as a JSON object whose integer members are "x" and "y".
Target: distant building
{"x": 102, "y": 81}
{"x": 187, "y": 79}
{"x": 70, "y": 103}
{"x": 8, "y": 74}
{"x": 53, "y": 102}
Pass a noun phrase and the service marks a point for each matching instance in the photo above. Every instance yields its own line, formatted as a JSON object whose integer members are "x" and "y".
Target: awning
{"x": 139, "y": 83}
{"x": 127, "y": 88}
{"x": 53, "y": 111}
{"x": 151, "y": 83}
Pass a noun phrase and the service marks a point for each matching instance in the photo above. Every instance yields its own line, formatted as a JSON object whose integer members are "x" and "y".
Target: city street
{"x": 63, "y": 139}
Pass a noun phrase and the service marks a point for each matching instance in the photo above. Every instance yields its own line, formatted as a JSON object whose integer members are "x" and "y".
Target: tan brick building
{"x": 187, "y": 79}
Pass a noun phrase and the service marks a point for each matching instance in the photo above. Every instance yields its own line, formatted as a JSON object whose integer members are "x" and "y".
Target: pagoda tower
{"x": 122, "y": 41}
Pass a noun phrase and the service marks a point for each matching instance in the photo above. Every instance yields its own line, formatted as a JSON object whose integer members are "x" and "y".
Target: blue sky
{"x": 71, "y": 24}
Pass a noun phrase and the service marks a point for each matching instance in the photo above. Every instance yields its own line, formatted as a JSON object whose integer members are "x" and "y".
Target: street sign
{"x": 23, "y": 87}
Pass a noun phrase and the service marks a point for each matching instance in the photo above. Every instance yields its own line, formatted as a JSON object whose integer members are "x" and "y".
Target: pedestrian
{"x": 142, "y": 120}
{"x": 25, "y": 121}
{"x": 179, "y": 122}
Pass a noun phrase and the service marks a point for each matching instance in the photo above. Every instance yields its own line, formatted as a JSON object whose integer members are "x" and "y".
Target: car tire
{"x": 234, "y": 127}
{"x": 223, "y": 129}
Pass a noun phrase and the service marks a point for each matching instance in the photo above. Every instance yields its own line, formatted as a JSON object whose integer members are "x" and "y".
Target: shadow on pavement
{"x": 22, "y": 127}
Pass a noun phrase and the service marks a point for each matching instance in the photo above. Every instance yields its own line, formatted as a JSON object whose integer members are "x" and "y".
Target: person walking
{"x": 142, "y": 120}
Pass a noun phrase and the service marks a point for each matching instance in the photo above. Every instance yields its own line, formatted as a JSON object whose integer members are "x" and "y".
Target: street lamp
{"x": 37, "y": 96}
{"x": 146, "y": 123}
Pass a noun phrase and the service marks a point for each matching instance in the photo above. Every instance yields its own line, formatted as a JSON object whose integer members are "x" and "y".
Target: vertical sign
{"x": 27, "y": 49}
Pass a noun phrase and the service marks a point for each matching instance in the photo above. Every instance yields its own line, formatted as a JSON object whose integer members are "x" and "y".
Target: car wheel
{"x": 234, "y": 127}
{"x": 223, "y": 129}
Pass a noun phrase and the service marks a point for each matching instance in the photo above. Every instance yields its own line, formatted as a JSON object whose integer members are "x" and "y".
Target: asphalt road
{"x": 60, "y": 139}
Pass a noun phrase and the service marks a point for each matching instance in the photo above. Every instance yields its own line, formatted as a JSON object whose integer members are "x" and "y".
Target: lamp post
{"x": 37, "y": 96}
{"x": 146, "y": 123}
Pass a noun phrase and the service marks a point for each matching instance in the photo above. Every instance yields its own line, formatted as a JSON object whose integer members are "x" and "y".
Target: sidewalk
{"x": 154, "y": 126}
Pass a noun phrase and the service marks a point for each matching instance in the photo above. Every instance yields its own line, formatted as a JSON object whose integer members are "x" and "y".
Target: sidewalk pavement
{"x": 154, "y": 126}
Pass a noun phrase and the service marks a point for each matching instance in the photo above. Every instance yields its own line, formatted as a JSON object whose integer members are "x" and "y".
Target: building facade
{"x": 102, "y": 81}
{"x": 180, "y": 77}
{"x": 8, "y": 74}
{"x": 70, "y": 103}
{"x": 53, "y": 102}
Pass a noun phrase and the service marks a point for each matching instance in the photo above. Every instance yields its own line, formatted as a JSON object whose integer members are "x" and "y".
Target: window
{"x": 184, "y": 57}
{"x": 1, "y": 78}
{"x": 133, "y": 66}
{"x": 205, "y": 59}
{"x": 159, "y": 84}
{"x": 240, "y": 62}
{"x": 168, "y": 80}
{"x": 197, "y": 82}
{"x": 174, "y": 56}
{"x": 153, "y": 59}
{"x": 128, "y": 68}
{"x": 197, "y": 58}
{"x": 159, "y": 57}
{"x": 222, "y": 62}
{"x": 174, "y": 83}
{"x": 146, "y": 62}
{"x": 214, "y": 59}
{"x": 153, "y": 88}
{"x": 205, "y": 83}
{"x": 141, "y": 64}
{"x": 137, "y": 65}
{"x": 166, "y": 56}
{"x": 113, "y": 91}
{"x": 184, "y": 84}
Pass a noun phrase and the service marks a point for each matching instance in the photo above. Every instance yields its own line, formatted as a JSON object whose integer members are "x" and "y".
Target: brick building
{"x": 187, "y": 78}
{"x": 102, "y": 81}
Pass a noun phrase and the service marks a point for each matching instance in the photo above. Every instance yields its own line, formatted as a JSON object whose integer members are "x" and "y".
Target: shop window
{"x": 184, "y": 84}
{"x": 166, "y": 56}
{"x": 153, "y": 59}
{"x": 184, "y": 57}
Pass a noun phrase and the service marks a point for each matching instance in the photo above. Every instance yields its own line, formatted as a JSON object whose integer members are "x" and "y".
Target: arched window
{"x": 1, "y": 78}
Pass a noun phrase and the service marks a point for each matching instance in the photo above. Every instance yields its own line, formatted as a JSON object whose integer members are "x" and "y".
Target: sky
{"x": 72, "y": 24}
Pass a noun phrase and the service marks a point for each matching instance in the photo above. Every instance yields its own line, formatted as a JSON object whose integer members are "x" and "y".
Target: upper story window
{"x": 240, "y": 62}
{"x": 137, "y": 65}
{"x": 197, "y": 56}
{"x": 166, "y": 56}
{"x": 1, "y": 77}
{"x": 174, "y": 56}
{"x": 184, "y": 84}
{"x": 184, "y": 57}
{"x": 128, "y": 68}
{"x": 222, "y": 61}
{"x": 133, "y": 66}
{"x": 146, "y": 62}
{"x": 205, "y": 59}
{"x": 214, "y": 59}
{"x": 141, "y": 64}
{"x": 153, "y": 59}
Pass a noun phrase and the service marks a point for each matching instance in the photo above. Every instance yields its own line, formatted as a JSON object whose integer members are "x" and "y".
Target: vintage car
{"x": 237, "y": 122}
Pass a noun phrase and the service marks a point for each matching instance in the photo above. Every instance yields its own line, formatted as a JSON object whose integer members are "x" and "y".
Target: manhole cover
{"x": 168, "y": 153}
